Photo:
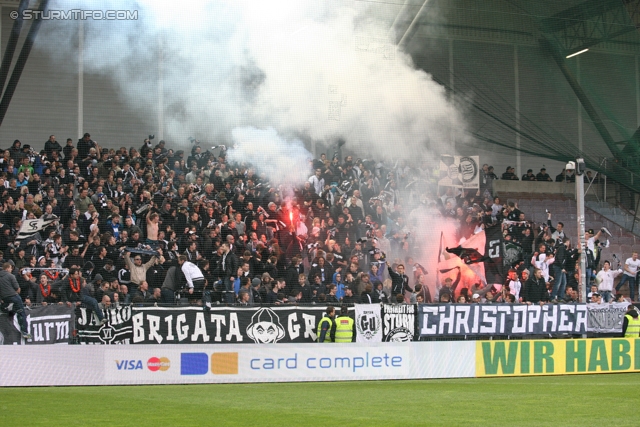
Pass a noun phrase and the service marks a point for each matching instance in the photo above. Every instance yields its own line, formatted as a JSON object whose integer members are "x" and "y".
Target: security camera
{"x": 580, "y": 167}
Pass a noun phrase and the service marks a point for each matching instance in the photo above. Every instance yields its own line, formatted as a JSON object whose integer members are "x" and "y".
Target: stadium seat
{"x": 625, "y": 250}
{"x": 626, "y": 240}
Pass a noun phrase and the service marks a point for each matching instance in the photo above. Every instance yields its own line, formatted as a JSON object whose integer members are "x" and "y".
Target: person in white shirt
{"x": 514, "y": 284}
{"x": 317, "y": 181}
{"x": 193, "y": 275}
{"x": 630, "y": 270}
{"x": 591, "y": 238}
{"x": 604, "y": 280}
{"x": 542, "y": 261}
{"x": 594, "y": 290}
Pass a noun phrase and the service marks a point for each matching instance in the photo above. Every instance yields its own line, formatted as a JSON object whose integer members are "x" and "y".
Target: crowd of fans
{"x": 564, "y": 176}
{"x": 158, "y": 226}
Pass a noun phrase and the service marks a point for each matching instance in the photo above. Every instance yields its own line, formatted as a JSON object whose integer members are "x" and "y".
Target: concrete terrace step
{"x": 597, "y": 215}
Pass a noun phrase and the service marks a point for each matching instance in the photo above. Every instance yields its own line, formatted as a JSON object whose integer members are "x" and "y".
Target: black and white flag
{"x": 368, "y": 323}
{"x": 32, "y": 226}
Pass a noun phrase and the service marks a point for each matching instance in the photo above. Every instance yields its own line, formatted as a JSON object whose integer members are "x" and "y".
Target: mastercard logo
{"x": 158, "y": 364}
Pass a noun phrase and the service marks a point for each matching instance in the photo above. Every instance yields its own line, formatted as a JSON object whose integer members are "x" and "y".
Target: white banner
{"x": 368, "y": 323}
{"x": 606, "y": 318}
{"x": 233, "y": 363}
{"x": 459, "y": 171}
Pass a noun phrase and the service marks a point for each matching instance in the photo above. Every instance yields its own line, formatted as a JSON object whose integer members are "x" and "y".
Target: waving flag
{"x": 32, "y": 226}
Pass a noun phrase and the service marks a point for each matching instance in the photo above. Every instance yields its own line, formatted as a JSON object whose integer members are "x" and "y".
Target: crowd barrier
{"x": 238, "y": 363}
{"x": 55, "y": 324}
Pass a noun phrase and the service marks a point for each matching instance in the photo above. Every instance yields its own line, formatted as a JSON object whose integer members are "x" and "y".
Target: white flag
{"x": 459, "y": 171}
{"x": 368, "y": 323}
{"x": 32, "y": 226}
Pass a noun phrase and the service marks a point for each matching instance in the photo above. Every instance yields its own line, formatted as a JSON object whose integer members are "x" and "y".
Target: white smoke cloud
{"x": 321, "y": 70}
{"x": 283, "y": 162}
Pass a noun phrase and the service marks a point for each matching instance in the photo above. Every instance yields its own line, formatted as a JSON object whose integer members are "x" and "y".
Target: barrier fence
{"x": 55, "y": 324}
{"x": 232, "y": 363}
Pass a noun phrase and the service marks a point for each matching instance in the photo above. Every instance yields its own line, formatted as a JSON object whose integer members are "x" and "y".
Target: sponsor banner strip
{"x": 557, "y": 357}
{"x": 229, "y": 363}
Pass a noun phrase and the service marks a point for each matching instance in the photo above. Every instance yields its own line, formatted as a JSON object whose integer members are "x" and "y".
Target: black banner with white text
{"x": 185, "y": 325}
{"x": 50, "y": 324}
{"x": 388, "y": 322}
{"x": 436, "y": 320}
{"x": 398, "y": 322}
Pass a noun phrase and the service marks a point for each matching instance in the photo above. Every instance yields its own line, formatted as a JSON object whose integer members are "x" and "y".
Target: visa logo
{"x": 128, "y": 365}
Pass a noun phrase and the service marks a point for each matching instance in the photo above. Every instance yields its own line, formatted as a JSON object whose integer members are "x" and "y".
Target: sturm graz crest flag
{"x": 32, "y": 226}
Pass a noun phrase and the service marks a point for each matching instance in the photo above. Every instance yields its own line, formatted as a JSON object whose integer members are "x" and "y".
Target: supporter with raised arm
{"x": 137, "y": 268}
{"x": 152, "y": 229}
{"x": 629, "y": 275}
{"x": 604, "y": 280}
{"x": 450, "y": 285}
{"x": 399, "y": 280}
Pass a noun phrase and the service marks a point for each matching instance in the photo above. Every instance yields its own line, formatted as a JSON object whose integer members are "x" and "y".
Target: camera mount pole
{"x": 581, "y": 230}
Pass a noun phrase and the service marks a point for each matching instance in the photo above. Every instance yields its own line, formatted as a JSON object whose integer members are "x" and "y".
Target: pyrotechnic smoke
{"x": 321, "y": 70}
{"x": 282, "y": 161}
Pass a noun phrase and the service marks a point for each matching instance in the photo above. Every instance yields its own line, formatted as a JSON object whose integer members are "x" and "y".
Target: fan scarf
{"x": 75, "y": 285}
{"x": 52, "y": 275}
{"x": 45, "y": 291}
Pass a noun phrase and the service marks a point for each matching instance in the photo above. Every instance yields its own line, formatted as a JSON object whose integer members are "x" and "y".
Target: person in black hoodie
{"x": 349, "y": 298}
{"x": 535, "y": 289}
{"x": 366, "y": 297}
{"x": 399, "y": 280}
{"x": 379, "y": 296}
{"x": 51, "y": 144}
{"x": 303, "y": 287}
{"x": 560, "y": 266}
{"x": 255, "y": 291}
{"x": 84, "y": 145}
{"x": 292, "y": 274}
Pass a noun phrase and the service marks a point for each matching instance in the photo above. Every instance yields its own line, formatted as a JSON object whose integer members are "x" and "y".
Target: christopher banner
{"x": 502, "y": 319}
{"x": 509, "y": 319}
